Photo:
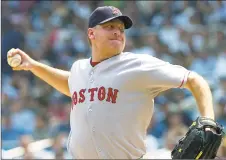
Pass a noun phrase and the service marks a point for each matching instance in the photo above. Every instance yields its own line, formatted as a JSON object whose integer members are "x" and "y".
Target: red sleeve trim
{"x": 181, "y": 83}
{"x": 185, "y": 75}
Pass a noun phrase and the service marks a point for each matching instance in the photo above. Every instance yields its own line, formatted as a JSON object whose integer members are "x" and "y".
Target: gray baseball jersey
{"x": 113, "y": 103}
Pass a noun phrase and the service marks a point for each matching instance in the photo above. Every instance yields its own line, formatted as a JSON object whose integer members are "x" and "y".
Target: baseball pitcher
{"x": 113, "y": 91}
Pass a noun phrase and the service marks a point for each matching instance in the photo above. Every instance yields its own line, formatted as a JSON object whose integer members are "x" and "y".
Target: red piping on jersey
{"x": 183, "y": 80}
{"x": 181, "y": 83}
{"x": 93, "y": 64}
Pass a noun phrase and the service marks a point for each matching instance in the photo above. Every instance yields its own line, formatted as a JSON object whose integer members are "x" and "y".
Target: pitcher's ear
{"x": 90, "y": 33}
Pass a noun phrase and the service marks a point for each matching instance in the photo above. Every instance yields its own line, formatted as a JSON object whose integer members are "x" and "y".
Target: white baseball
{"x": 15, "y": 60}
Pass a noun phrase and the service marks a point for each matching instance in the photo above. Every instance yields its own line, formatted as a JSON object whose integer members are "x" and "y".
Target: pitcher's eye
{"x": 110, "y": 26}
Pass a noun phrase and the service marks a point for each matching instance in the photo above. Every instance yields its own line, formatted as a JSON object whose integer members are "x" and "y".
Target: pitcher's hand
{"x": 27, "y": 62}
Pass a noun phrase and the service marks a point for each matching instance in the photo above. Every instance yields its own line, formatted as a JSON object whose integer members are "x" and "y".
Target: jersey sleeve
{"x": 158, "y": 73}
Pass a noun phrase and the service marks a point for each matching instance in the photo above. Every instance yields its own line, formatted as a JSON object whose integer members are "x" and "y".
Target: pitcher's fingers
{"x": 19, "y": 50}
{"x": 20, "y": 67}
{"x": 10, "y": 53}
{"x": 23, "y": 66}
{"x": 22, "y": 53}
{"x": 17, "y": 68}
{"x": 14, "y": 51}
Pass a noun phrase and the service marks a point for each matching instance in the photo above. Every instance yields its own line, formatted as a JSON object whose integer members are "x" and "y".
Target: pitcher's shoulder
{"x": 137, "y": 56}
{"x": 82, "y": 63}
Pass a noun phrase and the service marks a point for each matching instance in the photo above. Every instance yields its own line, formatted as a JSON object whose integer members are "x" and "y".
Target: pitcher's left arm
{"x": 202, "y": 94}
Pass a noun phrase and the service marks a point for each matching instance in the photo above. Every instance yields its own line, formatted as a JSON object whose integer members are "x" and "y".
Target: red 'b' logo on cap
{"x": 115, "y": 11}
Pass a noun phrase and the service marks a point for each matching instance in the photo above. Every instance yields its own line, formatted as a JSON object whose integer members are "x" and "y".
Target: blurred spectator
{"x": 220, "y": 65}
{"x": 222, "y": 150}
{"x": 169, "y": 34}
{"x": 204, "y": 64}
{"x": 41, "y": 130}
{"x": 63, "y": 126}
{"x": 41, "y": 91}
{"x": 10, "y": 136}
{"x": 149, "y": 45}
{"x": 176, "y": 129}
{"x": 221, "y": 117}
{"x": 218, "y": 13}
{"x": 156, "y": 128}
{"x": 220, "y": 92}
{"x": 20, "y": 115}
{"x": 24, "y": 143}
{"x": 8, "y": 132}
{"x": 58, "y": 147}
{"x": 12, "y": 37}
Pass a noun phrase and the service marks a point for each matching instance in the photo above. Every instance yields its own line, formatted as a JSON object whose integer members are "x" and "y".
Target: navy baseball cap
{"x": 107, "y": 13}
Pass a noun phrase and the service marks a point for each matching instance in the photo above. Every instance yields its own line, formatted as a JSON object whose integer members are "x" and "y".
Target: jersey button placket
{"x": 91, "y": 77}
{"x": 90, "y": 109}
{"x": 90, "y": 86}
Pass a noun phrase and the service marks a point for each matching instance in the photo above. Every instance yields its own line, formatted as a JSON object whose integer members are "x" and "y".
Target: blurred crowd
{"x": 189, "y": 33}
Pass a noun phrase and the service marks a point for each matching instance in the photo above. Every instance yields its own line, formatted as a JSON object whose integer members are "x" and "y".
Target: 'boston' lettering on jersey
{"x": 109, "y": 94}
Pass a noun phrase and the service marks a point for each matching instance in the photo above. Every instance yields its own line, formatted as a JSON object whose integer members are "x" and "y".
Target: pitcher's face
{"x": 109, "y": 37}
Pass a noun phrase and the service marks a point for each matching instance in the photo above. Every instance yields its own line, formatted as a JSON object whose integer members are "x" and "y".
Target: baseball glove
{"x": 199, "y": 143}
